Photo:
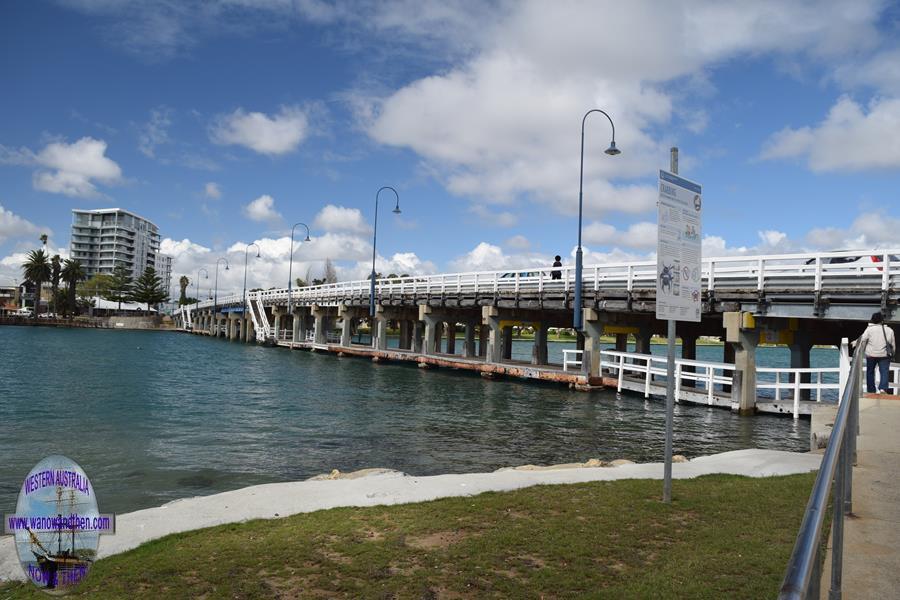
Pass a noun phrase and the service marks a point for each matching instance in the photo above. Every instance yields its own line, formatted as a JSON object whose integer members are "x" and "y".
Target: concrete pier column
{"x": 277, "y": 326}
{"x": 438, "y": 335}
{"x": 741, "y": 333}
{"x": 622, "y": 342}
{"x": 432, "y": 324}
{"x": 800, "y": 350}
{"x": 346, "y": 329}
{"x": 405, "y": 334}
{"x": 642, "y": 340}
{"x": 593, "y": 330}
{"x": 483, "y": 337}
{"x": 418, "y": 337}
{"x": 539, "y": 350}
{"x": 296, "y": 321}
{"x": 507, "y": 342}
{"x": 220, "y": 325}
{"x": 451, "y": 337}
{"x": 491, "y": 318}
{"x": 727, "y": 357}
{"x": 688, "y": 351}
{"x": 380, "y": 327}
{"x": 469, "y": 346}
{"x": 321, "y": 317}
{"x": 231, "y": 326}
{"x": 241, "y": 326}
{"x": 249, "y": 332}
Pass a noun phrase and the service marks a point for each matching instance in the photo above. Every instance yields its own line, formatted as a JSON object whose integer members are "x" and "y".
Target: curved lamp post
{"x": 216, "y": 294}
{"x": 396, "y": 211}
{"x": 578, "y": 320}
{"x": 197, "y": 281}
{"x": 244, "y": 293}
{"x": 291, "y": 268}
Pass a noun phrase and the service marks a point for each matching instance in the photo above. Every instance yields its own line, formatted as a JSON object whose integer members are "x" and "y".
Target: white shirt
{"x": 878, "y": 336}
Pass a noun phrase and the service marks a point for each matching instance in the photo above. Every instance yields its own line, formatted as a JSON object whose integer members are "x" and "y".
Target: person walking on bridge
{"x": 879, "y": 352}
{"x": 556, "y": 273}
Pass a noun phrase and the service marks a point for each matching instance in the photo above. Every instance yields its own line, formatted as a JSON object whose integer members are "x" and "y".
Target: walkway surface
{"x": 872, "y": 534}
{"x": 379, "y": 487}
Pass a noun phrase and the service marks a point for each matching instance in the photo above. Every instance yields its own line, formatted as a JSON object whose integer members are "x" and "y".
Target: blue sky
{"x": 226, "y": 122}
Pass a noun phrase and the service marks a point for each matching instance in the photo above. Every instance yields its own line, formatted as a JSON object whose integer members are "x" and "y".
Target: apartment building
{"x": 105, "y": 237}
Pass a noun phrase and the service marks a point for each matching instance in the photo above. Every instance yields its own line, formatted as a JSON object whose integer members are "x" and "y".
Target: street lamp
{"x": 291, "y": 267}
{"x": 216, "y": 300}
{"x": 197, "y": 281}
{"x": 612, "y": 151}
{"x": 396, "y": 211}
{"x": 244, "y": 294}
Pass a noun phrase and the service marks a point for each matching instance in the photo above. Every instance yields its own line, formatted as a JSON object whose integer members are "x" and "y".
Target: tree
{"x": 300, "y": 282}
{"x": 72, "y": 273}
{"x": 120, "y": 286}
{"x": 183, "y": 282}
{"x": 330, "y": 272}
{"x": 149, "y": 288}
{"x": 55, "y": 267}
{"x": 98, "y": 285}
{"x": 37, "y": 271}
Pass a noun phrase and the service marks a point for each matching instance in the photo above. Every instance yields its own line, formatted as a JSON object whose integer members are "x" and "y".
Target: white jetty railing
{"x": 784, "y": 382}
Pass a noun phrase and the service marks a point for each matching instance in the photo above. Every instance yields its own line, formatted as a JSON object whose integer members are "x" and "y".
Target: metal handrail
{"x": 803, "y": 575}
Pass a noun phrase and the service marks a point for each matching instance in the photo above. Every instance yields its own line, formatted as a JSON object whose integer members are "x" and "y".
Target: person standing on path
{"x": 879, "y": 352}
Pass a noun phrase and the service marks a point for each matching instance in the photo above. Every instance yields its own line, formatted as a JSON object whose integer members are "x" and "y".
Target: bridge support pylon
{"x": 741, "y": 333}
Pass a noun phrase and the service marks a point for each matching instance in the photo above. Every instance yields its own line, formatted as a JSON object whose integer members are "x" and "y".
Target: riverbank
{"x": 606, "y": 531}
{"x": 385, "y": 487}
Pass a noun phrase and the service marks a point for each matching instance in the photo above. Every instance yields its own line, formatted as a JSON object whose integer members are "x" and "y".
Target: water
{"x": 154, "y": 416}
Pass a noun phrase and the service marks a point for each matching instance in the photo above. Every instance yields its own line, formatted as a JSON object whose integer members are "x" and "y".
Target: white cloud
{"x": 339, "y": 218}
{"x": 870, "y": 230}
{"x": 155, "y": 132}
{"x": 849, "y": 139}
{"x": 502, "y": 218}
{"x": 270, "y": 135}
{"x": 518, "y": 242}
{"x": 505, "y": 123}
{"x": 70, "y": 169}
{"x": 13, "y": 226}
{"x": 263, "y": 209}
{"x": 212, "y": 190}
{"x": 637, "y": 235}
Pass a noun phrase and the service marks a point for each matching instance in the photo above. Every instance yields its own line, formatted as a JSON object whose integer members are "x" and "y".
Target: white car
{"x": 23, "y": 312}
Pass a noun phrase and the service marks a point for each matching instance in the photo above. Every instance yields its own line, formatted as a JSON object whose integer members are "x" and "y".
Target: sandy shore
{"x": 390, "y": 487}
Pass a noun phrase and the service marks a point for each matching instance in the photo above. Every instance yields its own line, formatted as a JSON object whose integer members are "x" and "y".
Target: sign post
{"x": 678, "y": 274}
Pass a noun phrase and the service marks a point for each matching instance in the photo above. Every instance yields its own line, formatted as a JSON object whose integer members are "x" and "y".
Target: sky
{"x": 225, "y": 122}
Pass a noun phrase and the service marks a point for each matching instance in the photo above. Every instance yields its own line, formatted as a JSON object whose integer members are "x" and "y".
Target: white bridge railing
{"x": 877, "y": 271}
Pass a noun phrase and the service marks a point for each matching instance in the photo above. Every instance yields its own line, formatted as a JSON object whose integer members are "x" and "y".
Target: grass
{"x": 723, "y": 537}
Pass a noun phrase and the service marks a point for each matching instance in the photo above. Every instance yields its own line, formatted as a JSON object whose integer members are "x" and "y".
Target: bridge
{"x": 795, "y": 300}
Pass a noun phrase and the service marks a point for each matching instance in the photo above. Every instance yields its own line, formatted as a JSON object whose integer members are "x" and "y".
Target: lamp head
{"x": 257, "y": 254}
{"x": 307, "y": 238}
{"x": 396, "y": 210}
{"x": 612, "y": 150}
{"x": 226, "y": 267}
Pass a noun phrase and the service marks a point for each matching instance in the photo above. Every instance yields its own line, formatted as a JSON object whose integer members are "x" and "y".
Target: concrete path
{"x": 872, "y": 534}
{"x": 391, "y": 487}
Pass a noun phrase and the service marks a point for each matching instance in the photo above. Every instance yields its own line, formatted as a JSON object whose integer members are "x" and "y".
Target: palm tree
{"x": 183, "y": 282}
{"x": 37, "y": 271}
{"x": 72, "y": 274}
{"x": 55, "y": 266}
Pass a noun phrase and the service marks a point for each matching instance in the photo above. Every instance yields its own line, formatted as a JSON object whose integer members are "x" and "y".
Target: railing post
{"x": 648, "y": 378}
{"x": 711, "y": 280}
{"x": 596, "y": 278}
{"x": 710, "y": 386}
{"x": 621, "y": 372}
{"x": 797, "y": 395}
{"x": 760, "y": 276}
{"x": 818, "y": 279}
{"x": 677, "y": 381}
{"x": 886, "y": 274}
